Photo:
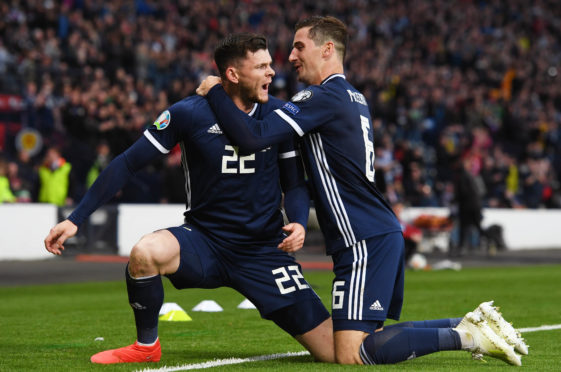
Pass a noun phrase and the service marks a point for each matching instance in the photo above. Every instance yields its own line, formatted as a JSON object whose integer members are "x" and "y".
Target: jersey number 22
{"x": 233, "y": 163}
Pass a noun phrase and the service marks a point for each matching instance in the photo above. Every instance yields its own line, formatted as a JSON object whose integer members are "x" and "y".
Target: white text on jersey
{"x": 357, "y": 97}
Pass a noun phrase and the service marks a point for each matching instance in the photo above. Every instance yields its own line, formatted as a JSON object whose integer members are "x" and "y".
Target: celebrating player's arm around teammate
{"x": 233, "y": 232}
{"x": 362, "y": 234}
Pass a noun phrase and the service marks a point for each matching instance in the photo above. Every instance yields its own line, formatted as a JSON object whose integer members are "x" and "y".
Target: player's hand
{"x": 54, "y": 242}
{"x": 295, "y": 239}
{"x": 207, "y": 84}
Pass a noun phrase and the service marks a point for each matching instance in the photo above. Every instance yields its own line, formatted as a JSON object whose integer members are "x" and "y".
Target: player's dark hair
{"x": 235, "y": 47}
{"x": 326, "y": 28}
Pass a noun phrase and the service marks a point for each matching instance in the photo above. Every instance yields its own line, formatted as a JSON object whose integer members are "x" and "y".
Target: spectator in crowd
{"x": 54, "y": 178}
{"x": 23, "y": 178}
{"x": 444, "y": 78}
{"x": 6, "y": 195}
{"x": 468, "y": 199}
{"x": 103, "y": 157}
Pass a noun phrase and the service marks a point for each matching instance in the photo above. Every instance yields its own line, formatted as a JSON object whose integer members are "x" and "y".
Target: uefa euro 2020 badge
{"x": 163, "y": 120}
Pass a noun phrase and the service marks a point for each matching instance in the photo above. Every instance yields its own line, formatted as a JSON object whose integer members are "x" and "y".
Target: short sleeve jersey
{"x": 233, "y": 197}
{"x": 339, "y": 155}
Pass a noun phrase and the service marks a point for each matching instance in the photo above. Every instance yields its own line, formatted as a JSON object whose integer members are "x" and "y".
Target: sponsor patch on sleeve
{"x": 291, "y": 107}
{"x": 163, "y": 120}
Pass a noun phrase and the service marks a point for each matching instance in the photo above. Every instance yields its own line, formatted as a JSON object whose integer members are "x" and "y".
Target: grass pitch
{"x": 54, "y": 327}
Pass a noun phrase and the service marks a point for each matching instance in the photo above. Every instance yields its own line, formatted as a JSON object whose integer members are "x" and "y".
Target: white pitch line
{"x": 224, "y": 362}
{"x": 541, "y": 328}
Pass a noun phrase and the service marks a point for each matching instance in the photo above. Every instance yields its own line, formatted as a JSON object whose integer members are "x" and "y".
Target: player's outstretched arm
{"x": 111, "y": 180}
{"x": 114, "y": 178}
{"x": 54, "y": 242}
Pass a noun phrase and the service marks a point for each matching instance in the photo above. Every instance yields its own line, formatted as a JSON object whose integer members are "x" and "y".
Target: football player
{"x": 233, "y": 223}
{"x": 362, "y": 234}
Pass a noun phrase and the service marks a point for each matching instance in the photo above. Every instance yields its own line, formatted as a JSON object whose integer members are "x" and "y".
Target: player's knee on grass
{"x": 349, "y": 335}
{"x": 302, "y": 321}
{"x": 347, "y": 345}
{"x": 300, "y": 317}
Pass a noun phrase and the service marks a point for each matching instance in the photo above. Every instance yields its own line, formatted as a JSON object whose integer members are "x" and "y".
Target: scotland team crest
{"x": 163, "y": 120}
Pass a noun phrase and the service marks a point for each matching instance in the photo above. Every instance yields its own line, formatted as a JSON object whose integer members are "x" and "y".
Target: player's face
{"x": 306, "y": 57}
{"x": 255, "y": 74}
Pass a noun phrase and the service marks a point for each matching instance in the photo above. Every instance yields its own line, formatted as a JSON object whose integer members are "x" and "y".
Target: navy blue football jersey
{"x": 232, "y": 196}
{"x": 338, "y": 147}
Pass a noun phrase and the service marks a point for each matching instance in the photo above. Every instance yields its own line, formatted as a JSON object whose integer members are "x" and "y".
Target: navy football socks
{"x": 396, "y": 344}
{"x": 434, "y": 323}
{"x": 146, "y": 296}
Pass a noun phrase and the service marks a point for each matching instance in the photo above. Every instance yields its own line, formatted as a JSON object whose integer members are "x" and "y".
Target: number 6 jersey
{"x": 334, "y": 122}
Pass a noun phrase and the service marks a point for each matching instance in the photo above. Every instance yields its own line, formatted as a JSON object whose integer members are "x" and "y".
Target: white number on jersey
{"x": 369, "y": 148}
{"x": 337, "y": 295}
{"x": 285, "y": 277}
{"x": 233, "y": 163}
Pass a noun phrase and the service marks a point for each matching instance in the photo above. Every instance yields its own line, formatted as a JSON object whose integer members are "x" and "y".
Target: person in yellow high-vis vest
{"x": 54, "y": 178}
{"x": 6, "y": 195}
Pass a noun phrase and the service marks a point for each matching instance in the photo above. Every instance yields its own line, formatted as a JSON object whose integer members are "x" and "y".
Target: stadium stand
{"x": 446, "y": 81}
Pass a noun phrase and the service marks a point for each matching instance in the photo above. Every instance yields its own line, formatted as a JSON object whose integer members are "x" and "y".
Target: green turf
{"x": 53, "y": 327}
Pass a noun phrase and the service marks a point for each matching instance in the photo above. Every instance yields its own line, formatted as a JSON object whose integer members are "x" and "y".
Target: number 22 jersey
{"x": 234, "y": 197}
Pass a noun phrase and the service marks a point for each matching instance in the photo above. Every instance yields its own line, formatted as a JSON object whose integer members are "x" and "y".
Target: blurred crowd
{"x": 457, "y": 89}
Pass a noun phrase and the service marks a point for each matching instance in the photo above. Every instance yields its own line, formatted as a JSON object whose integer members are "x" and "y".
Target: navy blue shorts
{"x": 270, "y": 278}
{"x": 368, "y": 284}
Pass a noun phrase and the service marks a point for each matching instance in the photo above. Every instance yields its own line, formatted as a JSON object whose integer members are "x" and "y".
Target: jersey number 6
{"x": 368, "y": 147}
{"x": 337, "y": 295}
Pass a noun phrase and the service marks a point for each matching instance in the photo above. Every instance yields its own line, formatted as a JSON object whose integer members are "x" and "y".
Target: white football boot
{"x": 484, "y": 340}
{"x": 501, "y": 327}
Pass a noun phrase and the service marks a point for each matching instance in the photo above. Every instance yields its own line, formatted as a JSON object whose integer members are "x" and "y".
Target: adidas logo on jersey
{"x": 215, "y": 129}
{"x": 376, "y": 306}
